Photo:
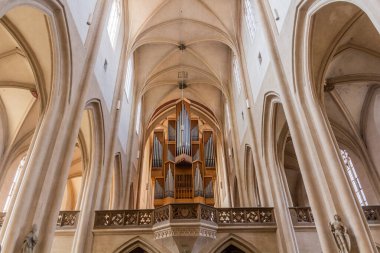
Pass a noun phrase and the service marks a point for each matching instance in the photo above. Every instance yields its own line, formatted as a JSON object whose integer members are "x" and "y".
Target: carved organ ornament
{"x": 183, "y": 159}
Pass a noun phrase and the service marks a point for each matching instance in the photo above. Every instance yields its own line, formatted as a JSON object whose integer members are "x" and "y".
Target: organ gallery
{"x": 183, "y": 167}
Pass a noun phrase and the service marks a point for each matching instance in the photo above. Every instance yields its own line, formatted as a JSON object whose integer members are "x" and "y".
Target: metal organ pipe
{"x": 169, "y": 184}
{"x": 183, "y": 132}
{"x": 211, "y": 152}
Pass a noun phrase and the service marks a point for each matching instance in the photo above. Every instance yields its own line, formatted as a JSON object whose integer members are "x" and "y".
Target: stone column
{"x": 288, "y": 241}
{"x": 41, "y": 192}
{"x": 83, "y": 234}
{"x": 342, "y": 196}
{"x": 322, "y": 170}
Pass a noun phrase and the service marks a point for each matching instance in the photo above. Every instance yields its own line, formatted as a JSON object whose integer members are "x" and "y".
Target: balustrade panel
{"x": 67, "y": 219}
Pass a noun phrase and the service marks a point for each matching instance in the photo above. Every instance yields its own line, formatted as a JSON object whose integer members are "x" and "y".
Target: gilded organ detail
{"x": 183, "y": 165}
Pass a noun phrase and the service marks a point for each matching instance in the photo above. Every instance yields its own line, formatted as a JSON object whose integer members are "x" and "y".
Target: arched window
{"x": 249, "y": 18}
{"x": 354, "y": 177}
{"x": 228, "y": 117}
{"x": 236, "y": 74}
{"x": 128, "y": 78}
{"x": 114, "y": 22}
{"x": 15, "y": 179}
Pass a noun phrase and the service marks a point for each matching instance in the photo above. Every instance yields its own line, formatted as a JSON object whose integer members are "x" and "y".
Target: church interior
{"x": 190, "y": 126}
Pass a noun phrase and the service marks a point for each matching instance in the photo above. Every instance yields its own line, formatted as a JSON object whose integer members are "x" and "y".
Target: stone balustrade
{"x": 180, "y": 213}
{"x": 372, "y": 214}
{"x": 67, "y": 219}
{"x": 2, "y": 217}
{"x": 192, "y": 213}
{"x": 304, "y": 216}
{"x": 301, "y": 216}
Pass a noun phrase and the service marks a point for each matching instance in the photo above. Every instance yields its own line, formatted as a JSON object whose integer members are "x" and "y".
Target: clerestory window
{"x": 236, "y": 74}
{"x": 354, "y": 178}
{"x": 128, "y": 78}
{"x": 114, "y": 22}
{"x": 249, "y": 19}
{"x": 14, "y": 182}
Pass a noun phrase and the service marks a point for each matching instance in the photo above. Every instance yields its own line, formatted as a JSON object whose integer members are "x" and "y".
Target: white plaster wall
{"x": 282, "y": 7}
{"x": 239, "y": 106}
{"x": 252, "y": 49}
{"x": 107, "y": 78}
{"x": 81, "y": 10}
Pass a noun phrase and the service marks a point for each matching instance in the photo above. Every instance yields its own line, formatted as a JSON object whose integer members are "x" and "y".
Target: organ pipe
{"x": 169, "y": 184}
{"x": 209, "y": 153}
{"x": 158, "y": 191}
{"x": 157, "y": 152}
{"x": 183, "y": 132}
{"x": 209, "y": 192}
{"x": 198, "y": 183}
{"x": 189, "y": 163}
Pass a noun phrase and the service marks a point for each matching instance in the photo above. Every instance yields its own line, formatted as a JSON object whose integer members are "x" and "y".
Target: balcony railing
{"x": 179, "y": 213}
{"x": 2, "y": 217}
{"x": 67, "y": 219}
{"x": 194, "y": 212}
{"x": 301, "y": 216}
{"x": 372, "y": 214}
{"x": 122, "y": 218}
{"x": 304, "y": 216}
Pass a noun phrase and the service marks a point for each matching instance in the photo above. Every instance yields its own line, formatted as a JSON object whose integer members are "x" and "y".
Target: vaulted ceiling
{"x": 25, "y": 74}
{"x": 208, "y": 30}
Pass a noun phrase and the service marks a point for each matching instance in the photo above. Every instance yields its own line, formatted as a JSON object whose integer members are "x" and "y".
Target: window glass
{"x": 237, "y": 74}
{"x": 13, "y": 185}
{"x": 249, "y": 18}
{"x": 354, "y": 177}
{"x": 128, "y": 78}
{"x": 114, "y": 22}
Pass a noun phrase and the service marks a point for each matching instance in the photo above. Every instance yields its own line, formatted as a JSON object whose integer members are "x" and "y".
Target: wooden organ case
{"x": 183, "y": 160}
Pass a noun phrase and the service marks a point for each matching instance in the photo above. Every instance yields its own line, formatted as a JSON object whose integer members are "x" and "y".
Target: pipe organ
{"x": 183, "y": 159}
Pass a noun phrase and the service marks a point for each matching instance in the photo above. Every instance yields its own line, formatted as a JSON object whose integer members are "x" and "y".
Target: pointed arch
{"x": 236, "y": 241}
{"x": 135, "y": 243}
{"x": 302, "y": 40}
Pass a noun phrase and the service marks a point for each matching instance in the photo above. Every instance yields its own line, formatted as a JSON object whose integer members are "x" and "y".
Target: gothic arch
{"x": 60, "y": 51}
{"x": 94, "y": 176}
{"x": 322, "y": 87}
{"x": 306, "y": 11}
{"x": 234, "y": 240}
{"x": 49, "y": 81}
{"x": 270, "y": 129}
{"x": 134, "y": 243}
